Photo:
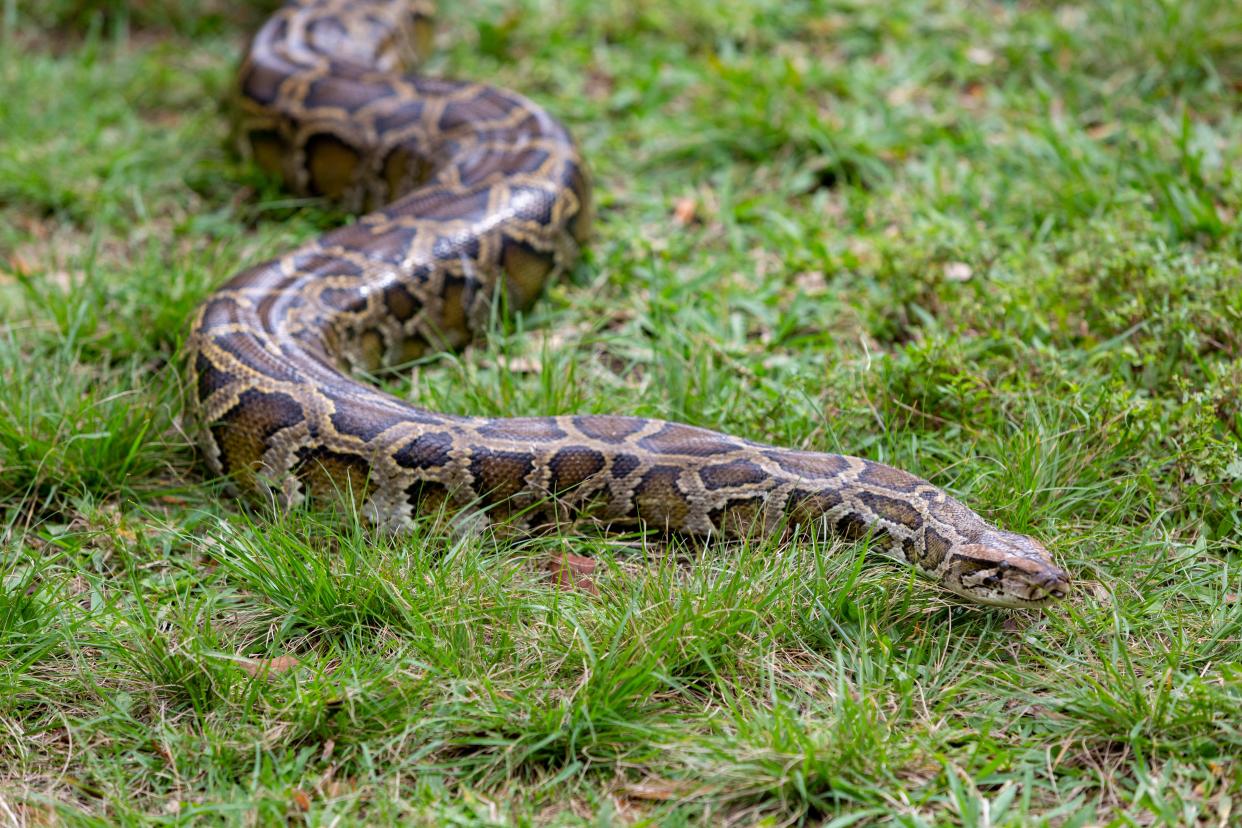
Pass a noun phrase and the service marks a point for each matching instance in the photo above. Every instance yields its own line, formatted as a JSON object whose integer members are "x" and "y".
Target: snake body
{"x": 474, "y": 193}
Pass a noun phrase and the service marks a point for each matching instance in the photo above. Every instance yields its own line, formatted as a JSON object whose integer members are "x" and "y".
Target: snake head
{"x": 1005, "y": 569}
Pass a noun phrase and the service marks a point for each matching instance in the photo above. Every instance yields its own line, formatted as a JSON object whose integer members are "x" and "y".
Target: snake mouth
{"x": 1054, "y": 586}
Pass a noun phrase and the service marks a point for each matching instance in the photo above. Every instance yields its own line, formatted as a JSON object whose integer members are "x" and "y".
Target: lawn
{"x": 994, "y": 243}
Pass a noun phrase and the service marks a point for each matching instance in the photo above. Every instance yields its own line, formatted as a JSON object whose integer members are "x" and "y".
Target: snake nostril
{"x": 1055, "y": 584}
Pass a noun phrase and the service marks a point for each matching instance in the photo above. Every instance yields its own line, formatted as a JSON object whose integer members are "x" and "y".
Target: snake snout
{"x": 1009, "y": 570}
{"x": 1054, "y": 583}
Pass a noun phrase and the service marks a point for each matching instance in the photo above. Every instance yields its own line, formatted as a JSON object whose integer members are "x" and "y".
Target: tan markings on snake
{"x": 475, "y": 191}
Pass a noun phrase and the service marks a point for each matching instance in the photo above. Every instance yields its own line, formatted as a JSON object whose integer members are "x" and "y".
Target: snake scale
{"x": 467, "y": 193}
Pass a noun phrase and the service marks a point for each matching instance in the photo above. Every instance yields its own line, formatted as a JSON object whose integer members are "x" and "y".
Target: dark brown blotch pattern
{"x": 805, "y": 506}
{"x": 537, "y": 429}
{"x": 426, "y": 496}
{"x": 220, "y": 311}
{"x": 739, "y": 515}
{"x": 364, "y": 422}
{"x": 609, "y": 429}
{"x": 243, "y": 432}
{"x": 887, "y": 477}
{"x": 332, "y": 164}
{"x": 268, "y": 148}
{"x": 526, "y": 268}
{"x": 400, "y": 119}
{"x": 935, "y": 547}
{"x": 427, "y": 451}
{"x": 437, "y": 205}
{"x": 805, "y": 464}
{"x": 732, "y": 475}
{"x": 317, "y": 262}
{"x": 499, "y": 475}
{"x": 390, "y": 245}
{"x": 336, "y": 92}
{"x": 249, "y": 351}
{"x": 333, "y": 475}
{"x": 892, "y": 509}
{"x": 210, "y": 378}
{"x": 658, "y": 500}
{"x": 623, "y": 465}
{"x": 400, "y": 302}
{"x": 573, "y": 465}
{"x": 344, "y": 299}
{"x": 261, "y": 82}
{"x": 675, "y": 438}
{"x": 852, "y": 526}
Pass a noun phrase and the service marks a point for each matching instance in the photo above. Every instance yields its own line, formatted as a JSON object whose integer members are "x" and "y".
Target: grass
{"x": 996, "y": 244}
